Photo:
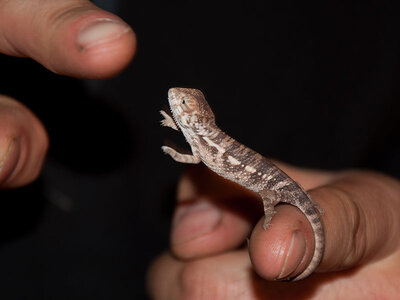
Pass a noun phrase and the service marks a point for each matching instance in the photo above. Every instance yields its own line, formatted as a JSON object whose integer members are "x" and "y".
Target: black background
{"x": 316, "y": 86}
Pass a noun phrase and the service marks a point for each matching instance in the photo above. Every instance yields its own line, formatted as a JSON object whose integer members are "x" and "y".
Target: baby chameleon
{"x": 234, "y": 161}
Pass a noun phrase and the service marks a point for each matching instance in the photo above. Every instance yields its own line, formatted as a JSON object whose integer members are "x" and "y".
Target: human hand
{"x": 210, "y": 259}
{"x": 69, "y": 37}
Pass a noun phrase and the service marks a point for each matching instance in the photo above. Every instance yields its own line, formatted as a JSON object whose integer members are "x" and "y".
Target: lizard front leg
{"x": 183, "y": 158}
{"x": 168, "y": 121}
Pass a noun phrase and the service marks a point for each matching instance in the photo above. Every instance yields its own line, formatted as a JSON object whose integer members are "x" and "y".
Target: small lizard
{"x": 192, "y": 115}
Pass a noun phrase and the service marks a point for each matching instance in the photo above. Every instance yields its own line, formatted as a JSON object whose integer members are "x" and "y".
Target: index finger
{"x": 73, "y": 38}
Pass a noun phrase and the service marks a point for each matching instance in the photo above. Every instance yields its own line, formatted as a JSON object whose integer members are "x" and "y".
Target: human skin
{"x": 210, "y": 259}
{"x": 207, "y": 258}
{"x": 69, "y": 37}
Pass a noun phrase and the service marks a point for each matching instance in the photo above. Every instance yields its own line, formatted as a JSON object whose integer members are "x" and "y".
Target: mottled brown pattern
{"x": 234, "y": 161}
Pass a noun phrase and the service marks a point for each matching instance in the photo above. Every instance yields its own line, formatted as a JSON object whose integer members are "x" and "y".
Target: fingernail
{"x": 194, "y": 219}
{"x": 294, "y": 255}
{"x": 5, "y": 150}
{"x": 101, "y": 31}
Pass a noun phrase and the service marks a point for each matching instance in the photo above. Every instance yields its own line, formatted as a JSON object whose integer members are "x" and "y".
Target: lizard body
{"x": 236, "y": 162}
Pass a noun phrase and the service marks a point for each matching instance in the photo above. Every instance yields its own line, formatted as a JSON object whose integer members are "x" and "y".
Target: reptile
{"x": 232, "y": 160}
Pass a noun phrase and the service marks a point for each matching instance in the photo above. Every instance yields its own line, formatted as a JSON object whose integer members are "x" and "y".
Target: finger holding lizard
{"x": 298, "y": 256}
{"x": 362, "y": 254}
{"x": 359, "y": 206}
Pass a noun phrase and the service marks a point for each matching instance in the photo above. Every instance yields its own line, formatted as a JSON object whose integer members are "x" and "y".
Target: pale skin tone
{"x": 209, "y": 257}
{"x": 53, "y": 33}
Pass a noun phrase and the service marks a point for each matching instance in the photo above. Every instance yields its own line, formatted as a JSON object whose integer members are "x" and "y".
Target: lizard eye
{"x": 187, "y": 105}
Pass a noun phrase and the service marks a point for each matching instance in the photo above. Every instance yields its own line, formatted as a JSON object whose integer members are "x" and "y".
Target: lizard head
{"x": 189, "y": 108}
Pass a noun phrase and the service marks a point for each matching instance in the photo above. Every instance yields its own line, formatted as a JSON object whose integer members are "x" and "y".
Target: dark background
{"x": 315, "y": 86}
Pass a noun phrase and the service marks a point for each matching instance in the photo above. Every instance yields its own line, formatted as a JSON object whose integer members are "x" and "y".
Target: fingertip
{"x": 23, "y": 144}
{"x": 285, "y": 248}
{"x": 73, "y": 38}
{"x": 98, "y": 45}
{"x": 9, "y": 155}
{"x": 201, "y": 228}
{"x": 213, "y": 215}
{"x": 193, "y": 226}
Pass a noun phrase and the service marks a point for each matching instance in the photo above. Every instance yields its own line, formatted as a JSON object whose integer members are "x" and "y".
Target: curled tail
{"x": 300, "y": 199}
{"x": 312, "y": 214}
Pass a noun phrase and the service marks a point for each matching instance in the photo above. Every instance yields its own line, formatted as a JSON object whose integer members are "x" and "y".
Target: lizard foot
{"x": 168, "y": 121}
{"x": 179, "y": 157}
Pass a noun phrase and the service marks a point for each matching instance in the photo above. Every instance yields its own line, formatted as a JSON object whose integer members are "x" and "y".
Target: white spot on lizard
{"x": 233, "y": 161}
{"x": 281, "y": 184}
{"x": 250, "y": 169}
{"x": 212, "y": 144}
{"x": 270, "y": 177}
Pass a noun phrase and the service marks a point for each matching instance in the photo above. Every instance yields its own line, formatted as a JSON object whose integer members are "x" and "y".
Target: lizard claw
{"x": 166, "y": 149}
{"x": 168, "y": 121}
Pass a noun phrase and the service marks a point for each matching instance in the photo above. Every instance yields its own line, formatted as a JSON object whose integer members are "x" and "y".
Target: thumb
{"x": 70, "y": 37}
{"x": 361, "y": 212}
{"x": 362, "y": 216}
